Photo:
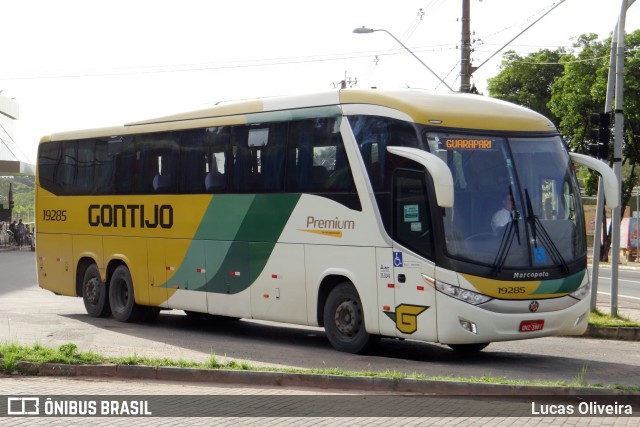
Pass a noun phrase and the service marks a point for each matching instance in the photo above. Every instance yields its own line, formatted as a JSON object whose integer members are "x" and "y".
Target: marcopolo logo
{"x": 530, "y": 274}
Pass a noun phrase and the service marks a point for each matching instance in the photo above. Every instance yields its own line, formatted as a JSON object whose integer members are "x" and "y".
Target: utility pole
{"x": 466, "y": 70}
{"x": 348, "y": 82}
{"x": 465, "y": 47}
{"x": 617, "y": 154}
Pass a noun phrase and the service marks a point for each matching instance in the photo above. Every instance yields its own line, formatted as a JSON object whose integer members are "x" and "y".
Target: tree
{"x": 528, "y": 81}
{"x": 23, "y": 195}
{"x": 569, "y": 94}
{"x": 581, "y": 90}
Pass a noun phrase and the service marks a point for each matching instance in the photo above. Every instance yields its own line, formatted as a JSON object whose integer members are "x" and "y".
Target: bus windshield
{"x": 516, "y": 201}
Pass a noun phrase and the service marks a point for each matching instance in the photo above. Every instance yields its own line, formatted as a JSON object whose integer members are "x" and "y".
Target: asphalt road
{"x": 30, "y": 315}
{"x": 628, "y": 281}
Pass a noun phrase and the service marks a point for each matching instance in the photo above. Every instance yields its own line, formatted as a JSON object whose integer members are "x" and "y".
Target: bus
{"x": 369, "y": 213}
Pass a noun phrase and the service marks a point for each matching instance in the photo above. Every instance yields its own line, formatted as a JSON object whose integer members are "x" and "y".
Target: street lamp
{"x": 365, "y": 30}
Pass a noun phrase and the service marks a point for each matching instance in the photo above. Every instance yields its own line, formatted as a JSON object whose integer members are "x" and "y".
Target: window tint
{"x": 258, "y": 157}
{"x": 296, "y": 156}
{"x": 317, "y": 161}
{"x": 373, "y": 135}
{"x": 412, "y": 222}
{"x": 49, "y": 155}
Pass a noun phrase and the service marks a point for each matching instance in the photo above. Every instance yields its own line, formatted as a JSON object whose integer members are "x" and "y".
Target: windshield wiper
{"x": 512, "y": 230}
{"x": 538, "y": 230}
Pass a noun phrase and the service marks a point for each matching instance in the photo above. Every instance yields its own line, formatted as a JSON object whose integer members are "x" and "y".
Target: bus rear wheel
{"x": 344, "y": 321}
{"x": 94, "y": 293}
{"x": 121, "y": 297}
{"x": 468, "y": 348}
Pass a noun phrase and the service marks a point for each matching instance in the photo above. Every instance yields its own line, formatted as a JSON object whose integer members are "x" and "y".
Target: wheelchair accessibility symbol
{"x": 539, "y": 255}
{"x": 397, "y": 259}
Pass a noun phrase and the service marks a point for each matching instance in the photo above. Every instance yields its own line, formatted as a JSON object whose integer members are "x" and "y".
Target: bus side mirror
{"x": 437, "y": 168}
{"x": 611, "y": 188}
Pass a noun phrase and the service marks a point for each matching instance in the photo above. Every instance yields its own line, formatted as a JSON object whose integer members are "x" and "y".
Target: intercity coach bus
{"x": 367, "y": 212}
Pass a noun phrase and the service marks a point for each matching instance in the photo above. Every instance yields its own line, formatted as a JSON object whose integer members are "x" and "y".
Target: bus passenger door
{"x": 413, "y": 272}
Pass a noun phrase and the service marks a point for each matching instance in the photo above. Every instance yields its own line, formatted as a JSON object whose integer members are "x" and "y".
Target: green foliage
{"x": 600, "y": 319}
{"x": 568, "y": 86}
{"x": 68, "y": 350}
{"x": 66, "y": 353}
{"x": 23, "y": 196}
{"x": 581, "y": 378}
{"x": 581, "y": 90}
{"x": 528, "y": 81}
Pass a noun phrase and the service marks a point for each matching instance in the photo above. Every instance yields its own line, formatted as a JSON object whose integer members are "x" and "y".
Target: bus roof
{"x": 440, "y": 109}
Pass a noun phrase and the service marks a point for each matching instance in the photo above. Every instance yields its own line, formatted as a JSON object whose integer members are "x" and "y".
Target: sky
{"x": 76, "y": 64}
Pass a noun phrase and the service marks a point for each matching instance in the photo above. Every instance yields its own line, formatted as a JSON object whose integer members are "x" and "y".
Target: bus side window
{"x": 125, "y": 168}
{"x": 66, "y": 172}
{"x": 412, "y": 222}
{"x": 317, "y": 161}
{"x": 242, "y": 164}
{"x": 341, "y": 178}
{"x": 272, "y": 158}
{"x": 154, "y": 158}
{"x": 218, "y": 147}
{"x": 192, "y": 162}
{"x": 104, "y": 164}
{"x": 300, "y": 156}
{"x": 49, "y": 156}
{"x": 259, "y": 157}
{"x": 374, "y": 134}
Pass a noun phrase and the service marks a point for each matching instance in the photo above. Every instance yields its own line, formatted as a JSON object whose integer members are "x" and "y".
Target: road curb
{"x": 612, "y": 333}
{"x": 283, "y": 379}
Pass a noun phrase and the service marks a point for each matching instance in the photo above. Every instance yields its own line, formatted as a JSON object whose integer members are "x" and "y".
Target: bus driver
{"x": 504, "y": 215}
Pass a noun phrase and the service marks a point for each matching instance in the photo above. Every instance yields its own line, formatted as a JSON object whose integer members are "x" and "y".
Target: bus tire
{"x": 121, "y": 296}
{"x": 344, "y": 321}
{"x": 468, "y": 348}
{"x": 94, "y": 293}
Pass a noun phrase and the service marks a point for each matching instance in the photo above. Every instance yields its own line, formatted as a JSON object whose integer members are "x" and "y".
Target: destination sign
{"x": 468, "y": 144}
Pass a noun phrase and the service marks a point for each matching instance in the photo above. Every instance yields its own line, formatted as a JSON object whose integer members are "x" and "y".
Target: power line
{"x": 522, "y": 23}
{"x": 267, "y": 62}
{"x": 597, "y": 58}
{"x": 153, "y": 69}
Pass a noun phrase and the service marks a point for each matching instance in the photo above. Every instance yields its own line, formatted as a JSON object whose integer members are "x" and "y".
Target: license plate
{"x": 531, "y": 325}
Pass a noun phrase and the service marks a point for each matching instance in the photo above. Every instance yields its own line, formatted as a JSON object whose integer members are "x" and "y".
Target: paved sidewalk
{"x": 267, "y": 406}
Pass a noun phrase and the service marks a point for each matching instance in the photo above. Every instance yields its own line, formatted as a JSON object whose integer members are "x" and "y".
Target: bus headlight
{"x": 581, "y": 292}
{"x": 462, "y": 294}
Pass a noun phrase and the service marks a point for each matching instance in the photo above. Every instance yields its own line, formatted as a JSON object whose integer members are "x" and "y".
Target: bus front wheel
{"x": 344, "y": 321}
{"x": 94, "y": 293}
{"x": 121, "y": 297}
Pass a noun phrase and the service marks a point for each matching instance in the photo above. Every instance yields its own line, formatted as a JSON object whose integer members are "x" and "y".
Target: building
{"x": 12, "y": 160}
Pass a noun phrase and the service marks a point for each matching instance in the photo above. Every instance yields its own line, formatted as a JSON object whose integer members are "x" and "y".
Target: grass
{"x": 11, "y": 353}
{"x": 600, "y": 319}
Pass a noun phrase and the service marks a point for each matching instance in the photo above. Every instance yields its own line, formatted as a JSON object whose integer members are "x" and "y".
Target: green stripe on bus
{"x": 239, "y": 234}
{"x": 561, "y": 286}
